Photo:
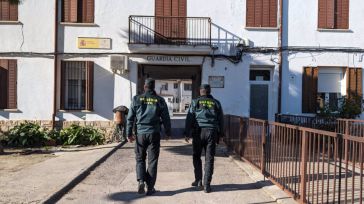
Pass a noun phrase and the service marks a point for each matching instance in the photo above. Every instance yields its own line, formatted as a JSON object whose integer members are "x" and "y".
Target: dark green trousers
{"x": 147, "y": 145}
{"x": 205, "y": 139}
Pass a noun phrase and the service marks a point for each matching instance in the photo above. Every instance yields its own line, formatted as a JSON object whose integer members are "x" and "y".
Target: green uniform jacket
{"x": 207, "y": 113}
{"x": 147, "y": 110}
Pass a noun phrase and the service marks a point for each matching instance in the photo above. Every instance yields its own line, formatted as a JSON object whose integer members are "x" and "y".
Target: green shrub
{"x": 78, "y": 135}
{"x": 27, "y": 135}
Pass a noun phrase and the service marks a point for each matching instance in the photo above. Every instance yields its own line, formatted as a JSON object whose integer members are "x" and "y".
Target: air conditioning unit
{"x": 119, "y": 64}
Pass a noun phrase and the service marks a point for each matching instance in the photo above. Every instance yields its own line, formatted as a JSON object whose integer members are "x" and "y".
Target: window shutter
{"x": 182, "y": 24}
{"x": 89, "y": 86}
{"x": 309, "y": 89}
{"x": 354, "y": 82}
{"x": 5, "y": 8}
{"x": 250, "y": 13}
{"x": 258, "y": 13}
{"x": 3, "y": 84}
{"x": 273, "y": 13}
{"x": 13, "y": 12}
{"x": 330, "y": 15}
{"x": 88, "y": 10}
{"x": 182, "y": 4}
{"x": 342, "y": 17}
{"x": 63, "y": 85}
{"x": 265, "y": 13}
{"x": 12, "y": 87}
{"x": 65, "y": 10}
{"x": 159, "y": 7}
{"x": 326, "y": 14}
{"x": 70, "y": 11}
{"x": 175, "y": 7}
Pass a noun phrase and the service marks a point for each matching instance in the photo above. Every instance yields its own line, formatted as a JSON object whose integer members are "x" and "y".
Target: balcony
{"x": 158, "y": 30}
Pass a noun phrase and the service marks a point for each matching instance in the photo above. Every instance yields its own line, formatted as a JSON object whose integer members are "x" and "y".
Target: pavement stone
{"x": 38, "y": 182}
{"x": 114, "y": 181}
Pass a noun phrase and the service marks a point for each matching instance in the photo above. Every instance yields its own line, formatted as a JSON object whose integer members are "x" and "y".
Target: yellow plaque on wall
{"x": 94, "y": 43}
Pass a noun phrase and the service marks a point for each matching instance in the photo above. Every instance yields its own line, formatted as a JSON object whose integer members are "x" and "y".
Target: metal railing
{"x": 170, "y": 30}
{"x": 314, "y": 166}
{"x": 315, "y": 122}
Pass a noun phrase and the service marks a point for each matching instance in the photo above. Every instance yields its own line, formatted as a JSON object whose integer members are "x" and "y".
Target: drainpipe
{"x": 55, "y": 64}
{"x": 280, "y": 57}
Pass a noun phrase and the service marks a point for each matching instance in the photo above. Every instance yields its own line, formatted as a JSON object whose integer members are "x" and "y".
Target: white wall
{"x": 35, "y": 30}
{"x": 303, "y": 29}
{"x": 34, "y": 90}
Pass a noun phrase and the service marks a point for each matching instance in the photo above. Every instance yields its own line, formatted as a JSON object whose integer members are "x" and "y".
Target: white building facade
{"x": 96, "y": 54}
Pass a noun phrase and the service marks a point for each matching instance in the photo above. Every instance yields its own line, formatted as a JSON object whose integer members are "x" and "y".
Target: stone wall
{"x": 106, "y": 127}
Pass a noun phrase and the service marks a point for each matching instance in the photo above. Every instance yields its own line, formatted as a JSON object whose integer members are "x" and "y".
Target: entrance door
{"x": 260, "y": 94}
{"x": 170, "y": 21}
{"x": 259, "y": 101}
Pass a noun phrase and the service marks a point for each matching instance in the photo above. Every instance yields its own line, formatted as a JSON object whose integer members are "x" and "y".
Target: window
{"x": 78, "y": 11}
{"x": 77, "y": 85}
{"x": 333, "y": 14}
{"x": 165, "y": 86}
{"x": 330, "y": 88}
{"x": 261, "y": 13}
{"x": 324, "y": 87}
{"x": 8, "y": 11}
{"x": 187, "y": 87}
{"x": 259, "y": 75}
{"x": 175, "y": 85}
{"x": 8, "y": 84}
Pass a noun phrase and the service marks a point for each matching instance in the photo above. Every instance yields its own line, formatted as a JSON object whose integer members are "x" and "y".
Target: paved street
{"x": 114, "y": 181}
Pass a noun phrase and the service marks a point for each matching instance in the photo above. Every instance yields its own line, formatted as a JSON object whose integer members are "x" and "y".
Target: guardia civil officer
{"x": 205, "y": 119}
{"x": 148, "y": 110}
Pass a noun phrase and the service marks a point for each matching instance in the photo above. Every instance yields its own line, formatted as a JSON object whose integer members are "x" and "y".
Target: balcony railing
{"x": 170, "y": 30}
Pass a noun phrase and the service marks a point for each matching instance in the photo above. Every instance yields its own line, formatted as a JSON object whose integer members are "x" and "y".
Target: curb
{"x": 83, "y": 174}
{"x": 266, "y": 185}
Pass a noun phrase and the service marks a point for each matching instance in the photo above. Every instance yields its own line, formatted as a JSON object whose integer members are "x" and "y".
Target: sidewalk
{"x": 35, "y": 183}
{"x": 114, "y": 181}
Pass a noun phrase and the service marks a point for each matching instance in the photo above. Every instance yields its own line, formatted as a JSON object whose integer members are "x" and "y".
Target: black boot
{"x": 141, "y": 187}
{"x": 207, "y": 188}
{"x": 198, "y": 184}
{"x": 151, "y": 191}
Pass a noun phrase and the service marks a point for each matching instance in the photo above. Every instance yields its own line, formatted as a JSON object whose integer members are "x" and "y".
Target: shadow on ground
{"x": 132, "y": 196}
{"x": 187, "y": 150}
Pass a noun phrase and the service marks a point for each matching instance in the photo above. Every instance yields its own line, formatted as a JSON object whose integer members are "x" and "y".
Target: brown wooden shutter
{"x": 265, "y": 13}
{"x": 159, "y": 7}
{"x": 89, "y": 86}
{"x": 342, "y": 17}
{"x": 3, "y": 84}
{"x": 326, "y": 14}
{"x": 63, "y": 86}
{"x": 70, "y": 8}
{"x": 258, "y": 13}
{"x": 12, "y": 84}
{"x": 250, "y": 13}
{"x": 88, "y": 10}
{"x": 5, "y": 8}
{"x": 354, "y": 82}
{"x": 13, "y": 12}
{"x": 273, "y": 9}
{"x": 309, "y": 89}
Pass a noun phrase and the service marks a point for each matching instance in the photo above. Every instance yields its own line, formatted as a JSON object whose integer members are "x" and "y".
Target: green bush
{"x": 78, "y": 135}
{"x": 27, "y": 135}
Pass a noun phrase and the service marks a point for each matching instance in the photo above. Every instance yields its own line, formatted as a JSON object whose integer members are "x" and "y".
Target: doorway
{"x": 260, "y": 93}
{"x": 188, "y": 75}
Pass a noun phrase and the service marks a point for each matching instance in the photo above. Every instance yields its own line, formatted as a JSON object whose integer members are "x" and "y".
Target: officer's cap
{"x": 150, "y": 83}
